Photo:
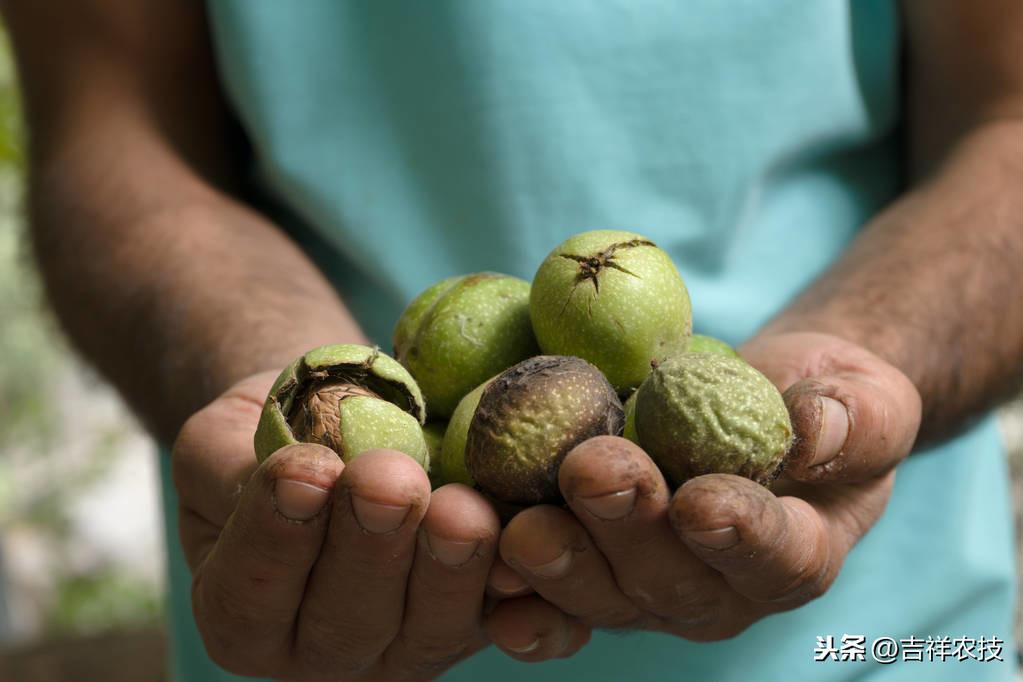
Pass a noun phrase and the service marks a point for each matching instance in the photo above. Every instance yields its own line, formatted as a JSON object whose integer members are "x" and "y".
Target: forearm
{"x": 933, "y": 283}
{"x": 170, "y": 286}
{"x": 175, "y": 303}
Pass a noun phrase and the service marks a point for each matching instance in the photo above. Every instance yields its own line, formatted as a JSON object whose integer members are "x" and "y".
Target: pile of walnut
{"x": 512, "y": 376}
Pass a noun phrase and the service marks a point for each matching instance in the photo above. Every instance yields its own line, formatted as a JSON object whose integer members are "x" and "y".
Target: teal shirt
{"x": 406, "y": 142}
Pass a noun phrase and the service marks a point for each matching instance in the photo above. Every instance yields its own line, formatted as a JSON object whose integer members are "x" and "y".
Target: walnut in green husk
{"x": 433, "y": 433}
{"x": 614, "y": 299}
{"x": 629, "y": 431}
{"x": 462, "y": 331}
{"x": 703, "y": 413}
{"x": 527, "y": 420}
{"x": 453, "y": 447}
{"x": 700, "y": 343}
{"x": 347, "y": 397}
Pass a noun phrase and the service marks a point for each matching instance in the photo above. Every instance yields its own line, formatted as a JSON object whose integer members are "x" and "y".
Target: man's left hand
{"x": 709, "y": 559}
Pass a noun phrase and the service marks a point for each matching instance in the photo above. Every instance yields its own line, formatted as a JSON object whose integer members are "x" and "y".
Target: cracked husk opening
{"x": 591, "y": 265}
{"x": 316, "y": 415}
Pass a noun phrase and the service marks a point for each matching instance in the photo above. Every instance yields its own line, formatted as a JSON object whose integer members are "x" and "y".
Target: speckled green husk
{"x": 629, "y": 431}
{"x": 367, "y": 423}
{"x": 462, "y": 331}
{"x": 384, "y": 410}
{"x": 453, "y": 450}
{"x": 527, "y": 420}
{"x": 702, "y": 413}
{"x": 433, "y": 434}
{"x": 614, "y": 299}
{"x": 699, "y": 343}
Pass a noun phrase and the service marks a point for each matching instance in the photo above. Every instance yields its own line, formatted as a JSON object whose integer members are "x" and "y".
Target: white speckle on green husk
{"x": 368, "y": 423}
{"x": 433, "y": 434}
{"x": 700, "y": 343}
{"x": 462, "y": 331}
{"x": 701, "y": 413}
{"x": 453, "y": 469}
{"x": 363, "y": 367}
{"x": 614, "y": 299}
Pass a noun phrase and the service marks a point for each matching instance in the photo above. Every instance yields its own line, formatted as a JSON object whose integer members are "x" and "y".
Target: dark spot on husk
{"x": 524, "y": 392}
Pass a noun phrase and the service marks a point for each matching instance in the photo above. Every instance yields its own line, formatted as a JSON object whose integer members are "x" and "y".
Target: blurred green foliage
{"x": 32, "y": 353}
{"x": 34, "y": 361}
{"x": 102, "y": 599}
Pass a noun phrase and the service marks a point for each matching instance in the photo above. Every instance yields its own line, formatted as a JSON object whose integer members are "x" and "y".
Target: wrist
{"x": 879, "y": 337}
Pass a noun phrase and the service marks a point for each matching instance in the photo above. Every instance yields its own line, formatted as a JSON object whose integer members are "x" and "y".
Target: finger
{"x": 554, "y": 553}
{"x": 457, "y": 543}
{"x": 531, "y": 629}
{"x": 211, "y": 460}
{"x": 504, "y": 582}
{"x": 621, "y": 498}
{"x": 779, "y": 551}
{"x": 356, "y": 594}
{"x": 247, "y": 590}
{"x": 853, "y": 422}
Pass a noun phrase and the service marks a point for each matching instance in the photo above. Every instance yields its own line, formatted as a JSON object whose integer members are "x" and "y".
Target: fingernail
{"x": 378, "y": 518}
{"x": 834, "y": 431}
{"x": 504, "y": 580}
{"x": 719, "y": 538}
{"x": 298, "y": 500}
{"x": 450, "y": 552}
{"x": 611, "y": 506}
{"x": 552, "y": 569}
{"x": 532, "y": 646}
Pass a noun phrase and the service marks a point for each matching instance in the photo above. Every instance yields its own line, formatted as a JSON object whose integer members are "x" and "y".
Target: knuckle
{"x": 714, "y": 632}
{"x": 328, "y": 650}
{"x": 615, "y": 619}
{"x": 425, "y": 579}
{"x": 224, "y": 638}
{"x": 801, "y": 586}
{"x": 682, "y": 604}
{"x": 271, "y": 552}
{"x": 221, "y": 606}
{"x": 324, "y": 660}
{"x": 692, "y": 605}
{"x": 227, "y": 619}
{"x": 377, "y": 560}
{"x": 228, "y": 622}
{"x": 185, "y": 444}
{"x": 807, "y": 588}
{"x": 426, "y": 654}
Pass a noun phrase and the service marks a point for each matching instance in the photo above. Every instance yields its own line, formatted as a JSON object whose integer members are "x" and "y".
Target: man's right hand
{"x": 307, "y": 569}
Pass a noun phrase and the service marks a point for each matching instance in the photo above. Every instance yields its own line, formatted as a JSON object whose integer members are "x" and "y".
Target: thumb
{"x": 853, "y": 424}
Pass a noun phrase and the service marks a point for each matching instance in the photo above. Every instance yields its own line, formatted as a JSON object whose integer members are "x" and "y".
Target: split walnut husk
{"x": 347, "y": 397}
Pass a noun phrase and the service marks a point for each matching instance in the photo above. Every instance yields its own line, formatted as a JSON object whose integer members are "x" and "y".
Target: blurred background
{"x": 81, "y": 540}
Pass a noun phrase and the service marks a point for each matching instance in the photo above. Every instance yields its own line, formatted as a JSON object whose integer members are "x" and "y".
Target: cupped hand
{"x": 707, "y": 560}
{"x": 307, "y": 569}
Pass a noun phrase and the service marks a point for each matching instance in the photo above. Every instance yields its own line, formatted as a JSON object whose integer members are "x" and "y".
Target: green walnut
{"x": 433, "y": 434}
{"x": 704, "y": 413}
{"x": 527, "y": 420}
{"x": 614, "y": 299}
{"x": 452, "y": 454}
{"x": 347, "y": 397}
{"x": 462, "y": 331}
{"x": 629, "y": 431}
{"x": 699, "y": 343}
